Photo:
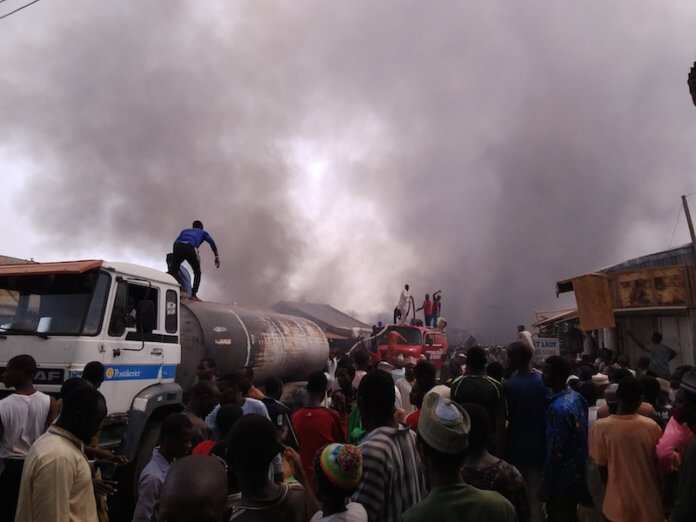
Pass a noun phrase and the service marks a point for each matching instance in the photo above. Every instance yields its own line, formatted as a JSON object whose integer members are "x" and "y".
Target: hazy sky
{"x": 336, "y": 150}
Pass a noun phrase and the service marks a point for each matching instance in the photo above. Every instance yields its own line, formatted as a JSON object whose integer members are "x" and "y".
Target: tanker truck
{"x": 132, "y": 319}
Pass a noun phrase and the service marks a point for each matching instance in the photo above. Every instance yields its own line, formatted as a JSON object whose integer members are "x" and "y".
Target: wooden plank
{"x": 691, "y": 283}
{"x": 595, "y": 305}
{"x": 69, "y": 267}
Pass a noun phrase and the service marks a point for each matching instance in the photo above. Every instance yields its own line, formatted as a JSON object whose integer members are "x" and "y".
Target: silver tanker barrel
{"x": 277, "y": 345}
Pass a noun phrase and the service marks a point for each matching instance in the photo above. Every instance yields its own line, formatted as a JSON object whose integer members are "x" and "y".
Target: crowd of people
{"x": 47, "y": 446}
{"x": 587, "y": 440}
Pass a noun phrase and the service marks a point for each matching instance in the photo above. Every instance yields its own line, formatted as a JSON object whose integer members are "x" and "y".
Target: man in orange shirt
{"x": 394, "y": 338}
{"x": 623, "y": 446}
{"x": 427, "y": 308}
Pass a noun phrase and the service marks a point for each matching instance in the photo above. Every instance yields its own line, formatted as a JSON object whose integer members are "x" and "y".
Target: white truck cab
{"x": 126, "y": 316}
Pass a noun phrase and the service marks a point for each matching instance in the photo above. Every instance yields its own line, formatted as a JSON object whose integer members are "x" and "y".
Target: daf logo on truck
{"x": 45, "y": 376}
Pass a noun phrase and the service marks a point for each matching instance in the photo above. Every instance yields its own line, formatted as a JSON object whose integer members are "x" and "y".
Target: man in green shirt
{"x": 443, "y": 429}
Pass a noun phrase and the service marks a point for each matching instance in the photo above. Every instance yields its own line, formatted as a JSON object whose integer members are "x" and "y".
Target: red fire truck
{"x": 413, "y": 341}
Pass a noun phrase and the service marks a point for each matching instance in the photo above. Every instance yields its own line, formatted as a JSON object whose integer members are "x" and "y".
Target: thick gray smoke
{"x": 339, "y": 149}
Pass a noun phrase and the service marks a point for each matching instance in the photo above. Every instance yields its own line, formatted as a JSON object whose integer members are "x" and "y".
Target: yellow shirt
{"x": 625, "y": 444}
{"x": 57, "y": 481}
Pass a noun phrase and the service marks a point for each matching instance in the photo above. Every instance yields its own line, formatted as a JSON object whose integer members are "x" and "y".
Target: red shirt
{"x": 427, "y": 307}
{"x": 315, "y": 428}
{"x": 412, "y": 420}
{"x": 203, "y": 448}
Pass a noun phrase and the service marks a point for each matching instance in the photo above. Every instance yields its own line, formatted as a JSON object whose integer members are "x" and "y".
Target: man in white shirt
{"x": 525, "y": 337}
{"x": 24, "y": 417}
{"x": 57, "y": 480}
{"x": 232, "y": 392}
{"x": 400, "y": 374}
{"x": 398, "y": 400}
{"x": 404, "y": 304}
{"x": 331, "y": 367}
{"x": 233, "y": 388}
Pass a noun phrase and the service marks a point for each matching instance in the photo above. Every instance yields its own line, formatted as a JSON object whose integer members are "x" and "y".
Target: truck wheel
{"x": 122, "y": 504}
{"x": 148, "y": 442}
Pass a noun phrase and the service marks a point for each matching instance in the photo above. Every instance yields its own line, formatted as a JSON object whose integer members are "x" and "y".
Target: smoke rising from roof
{"x": 338, "y": 149}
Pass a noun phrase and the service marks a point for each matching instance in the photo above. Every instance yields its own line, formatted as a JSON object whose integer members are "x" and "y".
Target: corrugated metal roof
{"x": 682, "y": 255}
{"x": 556, "y": 317}
{"x": 328, "y": 317}
{"x": 678, "y": 256}
{"x": 7, "y": 260}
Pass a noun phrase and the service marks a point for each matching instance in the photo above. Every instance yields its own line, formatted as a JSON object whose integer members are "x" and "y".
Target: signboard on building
{"x": 545, "y": 347}
{"x": 652, "y": 287}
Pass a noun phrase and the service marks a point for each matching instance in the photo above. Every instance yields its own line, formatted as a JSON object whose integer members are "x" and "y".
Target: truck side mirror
{"x": 145, "y": 317}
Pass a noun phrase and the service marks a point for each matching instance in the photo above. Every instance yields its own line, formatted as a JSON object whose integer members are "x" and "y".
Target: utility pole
{"x": 685, "y": 203}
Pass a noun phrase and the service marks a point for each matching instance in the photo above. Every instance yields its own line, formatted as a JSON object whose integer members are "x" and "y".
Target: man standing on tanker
{"x": 186, "y": 249}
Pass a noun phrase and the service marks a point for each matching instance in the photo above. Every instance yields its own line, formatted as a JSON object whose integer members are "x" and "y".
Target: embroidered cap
{"x": 342, "y": 465}
{"x": 443, "y": 424}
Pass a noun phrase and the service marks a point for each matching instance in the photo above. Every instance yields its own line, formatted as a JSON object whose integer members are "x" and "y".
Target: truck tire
{"x": 122, "y": 504}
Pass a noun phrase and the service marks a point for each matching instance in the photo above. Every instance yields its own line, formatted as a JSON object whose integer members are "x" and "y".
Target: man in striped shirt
{"x": 392, "y": 480}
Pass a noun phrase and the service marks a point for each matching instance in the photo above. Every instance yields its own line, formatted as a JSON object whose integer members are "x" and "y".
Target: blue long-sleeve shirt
{"x": 195, "y": 237}
{"x": 566, "y": 446}
{"x": 150, "y": 487}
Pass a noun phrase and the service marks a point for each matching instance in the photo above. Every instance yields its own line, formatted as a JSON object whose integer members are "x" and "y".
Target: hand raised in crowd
{"x": 294, "y": 462}
{"x": 106, "y": 455}
{"x": 119, "y": 460}
{"x": 675, "y": 461}
{"x": 105, "y": 487}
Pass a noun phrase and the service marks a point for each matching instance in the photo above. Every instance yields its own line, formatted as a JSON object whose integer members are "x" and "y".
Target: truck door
{"x": 434, "y": 349}
{"x": 135, "y": 355}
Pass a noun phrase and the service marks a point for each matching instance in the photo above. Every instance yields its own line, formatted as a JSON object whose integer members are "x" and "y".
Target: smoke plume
{"x": 336, "y": 150}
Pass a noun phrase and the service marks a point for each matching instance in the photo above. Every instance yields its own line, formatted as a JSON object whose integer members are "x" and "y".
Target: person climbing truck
{"x": 186, "y": 249}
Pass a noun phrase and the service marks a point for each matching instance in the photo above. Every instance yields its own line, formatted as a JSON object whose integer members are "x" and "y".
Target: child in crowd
{"x": 338, "y": 470}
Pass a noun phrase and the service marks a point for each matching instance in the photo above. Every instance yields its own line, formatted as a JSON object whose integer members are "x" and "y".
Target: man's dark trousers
{"x": 185, "y": 252}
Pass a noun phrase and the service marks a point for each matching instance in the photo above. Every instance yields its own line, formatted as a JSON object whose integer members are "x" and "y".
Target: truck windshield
{"x": 412, "y": 335}
{"x": 65, "y": 304}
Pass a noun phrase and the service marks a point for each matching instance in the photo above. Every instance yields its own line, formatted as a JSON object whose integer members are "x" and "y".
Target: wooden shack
{"x": 652, "y": 293}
